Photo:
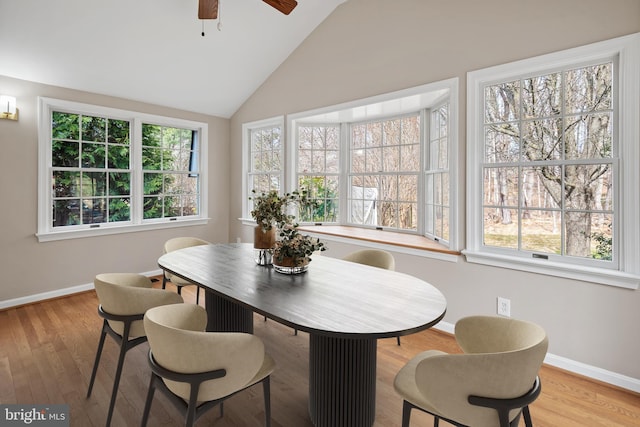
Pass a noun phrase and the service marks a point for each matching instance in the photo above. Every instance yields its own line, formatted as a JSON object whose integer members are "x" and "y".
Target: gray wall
{"x": 29, "y": 267}
{"x": 369, "y": 47}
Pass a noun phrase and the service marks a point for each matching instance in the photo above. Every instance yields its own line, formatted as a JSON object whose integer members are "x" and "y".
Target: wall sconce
{"x": 8, "y": 108}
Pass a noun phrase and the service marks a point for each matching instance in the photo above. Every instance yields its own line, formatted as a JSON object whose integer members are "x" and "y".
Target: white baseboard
{"x": 579, "y": 368}
{"x": 16, "y": 302}
{"x": 594, "y": 372}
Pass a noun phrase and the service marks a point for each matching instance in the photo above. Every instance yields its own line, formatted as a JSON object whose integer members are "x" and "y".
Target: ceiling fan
{"x": 208, "y": 9}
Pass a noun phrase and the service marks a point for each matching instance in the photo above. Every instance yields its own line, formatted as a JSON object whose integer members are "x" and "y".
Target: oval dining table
{"x": 344, "y": 306}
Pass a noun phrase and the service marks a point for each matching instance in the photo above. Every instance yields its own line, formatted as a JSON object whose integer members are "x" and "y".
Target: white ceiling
{"x": 152, "y": 50}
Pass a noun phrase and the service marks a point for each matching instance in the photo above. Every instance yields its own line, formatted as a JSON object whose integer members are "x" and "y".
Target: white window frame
{"x": 46, "y": 232}
{"x": 247, "y": 129}
{"x": 627, "y": 52}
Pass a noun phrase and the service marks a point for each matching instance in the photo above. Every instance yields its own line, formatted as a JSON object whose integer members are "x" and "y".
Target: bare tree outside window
{"x": 548, "y": 169}
{"x": 266, "y": 159}
{"x": 385, "y": 162}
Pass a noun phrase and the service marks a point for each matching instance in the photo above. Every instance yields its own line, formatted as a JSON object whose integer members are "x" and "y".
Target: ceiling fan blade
{"x": 207, "y": 9}
{"x": 284, "y": 6}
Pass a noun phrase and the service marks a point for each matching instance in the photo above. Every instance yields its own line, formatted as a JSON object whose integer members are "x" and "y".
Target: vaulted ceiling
{"x": 153, "y": 50}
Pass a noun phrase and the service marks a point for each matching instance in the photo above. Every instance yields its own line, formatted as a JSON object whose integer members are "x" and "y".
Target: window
{"x": 381, "y": 163}
{"x": 90, "y": 170}
{"x": 170, "y": 171}
{"x": 552, "y": 155}
{"x": 105, "y": 170}
{"x": 384, "y": 172}
{"x": 437, "y": 176}
{"x": 318, "y": 171}
{"x": 263, "y": 151}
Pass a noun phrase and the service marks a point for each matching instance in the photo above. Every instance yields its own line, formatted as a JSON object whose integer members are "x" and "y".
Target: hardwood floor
{"x": 47, "y": 351}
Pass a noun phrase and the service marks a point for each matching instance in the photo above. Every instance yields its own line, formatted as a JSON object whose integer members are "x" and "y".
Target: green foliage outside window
{"x": 604, "y": 244}
{"x": 319, "y": 201}
{"x": 92, "y": 171}
{"x": 90, "y": 158}
{"x": 169, "y": 175}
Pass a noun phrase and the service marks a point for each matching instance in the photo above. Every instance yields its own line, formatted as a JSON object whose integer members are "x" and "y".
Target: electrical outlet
{"x": 504, "y": 307}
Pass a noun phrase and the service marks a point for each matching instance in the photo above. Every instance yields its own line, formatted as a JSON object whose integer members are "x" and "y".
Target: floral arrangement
{"x": 294, "y": 247}
{"x": 270, "y": 208}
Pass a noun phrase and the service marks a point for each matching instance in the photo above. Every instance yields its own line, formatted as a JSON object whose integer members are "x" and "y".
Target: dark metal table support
{"x": 226, "y": 316}
{"x": 342, "y": 381}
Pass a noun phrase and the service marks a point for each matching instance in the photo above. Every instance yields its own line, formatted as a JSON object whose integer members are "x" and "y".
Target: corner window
{"x": 548, "y": 177}
{"x": 106, "y": 171}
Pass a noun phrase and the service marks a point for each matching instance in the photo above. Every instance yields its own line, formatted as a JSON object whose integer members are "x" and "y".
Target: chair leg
{"x": 527, "y": 416}
{"x": 164, "y": 281}
{"x": 436, "y": 421}
{"x": 398, "y": 339}
{"x": 266, "y": 388}
{"x": 179, "y": 290}
{"x": 124, "y": 346}
{"x": 147, "y": 404}
{"x": 103, "y": 336}
{"x": 197, "y": 294}
{"x": 406, "y": 413}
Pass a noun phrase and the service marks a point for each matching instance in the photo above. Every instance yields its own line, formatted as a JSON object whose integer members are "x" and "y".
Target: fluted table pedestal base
{"x": 342, "y": 381}
{"x": 226, "y": 316}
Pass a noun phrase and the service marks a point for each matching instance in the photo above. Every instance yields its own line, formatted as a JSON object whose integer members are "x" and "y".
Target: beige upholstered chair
{"x": 375, "y": 258}
{"x": 173, "y": 245}
{"x": 124, "y": 298}
{"x": 489, "y": 385}
{"x": 198, "y": 370}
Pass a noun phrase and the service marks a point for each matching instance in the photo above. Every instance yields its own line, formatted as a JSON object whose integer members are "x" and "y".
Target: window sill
{"x": 594, "y": 275}
{"x": 398, "y": 242}
{"x": 109, "y": 229}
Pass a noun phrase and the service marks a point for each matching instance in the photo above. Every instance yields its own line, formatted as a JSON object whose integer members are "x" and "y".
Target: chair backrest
{"x": 502, "y": 357}
{"x": 373, "y": 257}
{"x": 129, "y": 293}
{"x": 179, "y": 343}
{"x": 181, "y": 243}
